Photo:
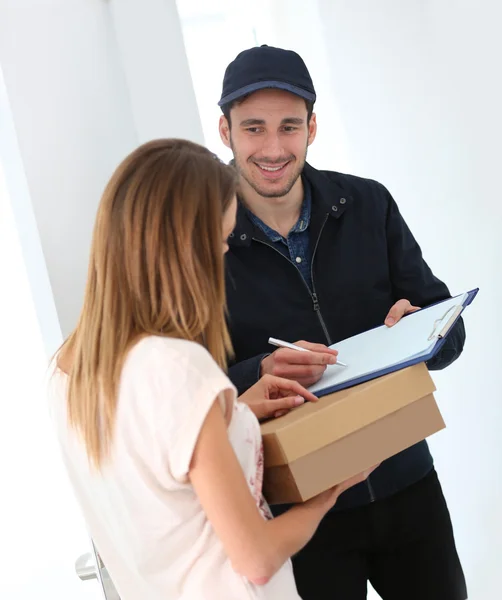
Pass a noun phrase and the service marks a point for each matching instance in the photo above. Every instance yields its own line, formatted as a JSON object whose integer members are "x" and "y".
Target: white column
{"x": 156, "y": 69}
{"x": 86, "y": 82}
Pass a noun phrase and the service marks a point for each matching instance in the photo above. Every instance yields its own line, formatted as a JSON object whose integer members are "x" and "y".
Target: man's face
{"x": 269, "y": 137}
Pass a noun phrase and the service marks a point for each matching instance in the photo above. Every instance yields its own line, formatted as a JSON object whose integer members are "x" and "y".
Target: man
{"x": 321, "y": 256}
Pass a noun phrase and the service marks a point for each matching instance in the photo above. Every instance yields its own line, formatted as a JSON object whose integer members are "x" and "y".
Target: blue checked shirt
{"x": 296, "y": 246}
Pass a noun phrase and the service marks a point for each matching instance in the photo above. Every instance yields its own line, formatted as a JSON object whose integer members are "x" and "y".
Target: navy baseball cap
{"x": 265, "y": 67}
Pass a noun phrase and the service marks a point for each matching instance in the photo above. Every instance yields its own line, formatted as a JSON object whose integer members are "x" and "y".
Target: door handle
{"x": 90, "y": 566}
{"x": 85, "y": 567}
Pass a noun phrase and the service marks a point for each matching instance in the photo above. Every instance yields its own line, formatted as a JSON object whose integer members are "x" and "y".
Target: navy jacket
{"x": 364, "y": 259}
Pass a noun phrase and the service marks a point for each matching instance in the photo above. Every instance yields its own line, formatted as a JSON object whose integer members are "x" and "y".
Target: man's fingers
{"x": 316, "y": 347}
{"x": 300, "y": 372}
{"x": 397, "y": 312}
{"x": 294, "y": 357}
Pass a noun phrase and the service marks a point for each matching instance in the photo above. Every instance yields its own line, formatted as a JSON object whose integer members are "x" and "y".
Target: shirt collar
{"x": 327, "y": 198}
{"x": 299, "y": 227}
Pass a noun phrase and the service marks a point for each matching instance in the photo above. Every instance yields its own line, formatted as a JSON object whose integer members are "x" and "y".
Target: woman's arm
{"x": 256, "y": 548}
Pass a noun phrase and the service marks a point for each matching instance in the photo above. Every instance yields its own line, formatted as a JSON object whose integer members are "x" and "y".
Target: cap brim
{"x": 262, "y": 85}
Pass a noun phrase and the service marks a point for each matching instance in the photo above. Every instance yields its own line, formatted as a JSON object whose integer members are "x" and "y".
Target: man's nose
{"x": 272, "y": 148}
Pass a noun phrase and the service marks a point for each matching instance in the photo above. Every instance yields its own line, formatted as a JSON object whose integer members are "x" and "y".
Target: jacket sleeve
{"x": 413, "y": 280}
{"x": 246, "y": 373}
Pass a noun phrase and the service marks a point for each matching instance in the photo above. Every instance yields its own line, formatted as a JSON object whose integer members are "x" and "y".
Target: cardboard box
{"x": 320, "y": 444}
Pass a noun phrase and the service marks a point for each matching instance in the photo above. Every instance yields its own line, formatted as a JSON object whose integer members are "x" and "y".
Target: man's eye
{"x": 253, "y": 129}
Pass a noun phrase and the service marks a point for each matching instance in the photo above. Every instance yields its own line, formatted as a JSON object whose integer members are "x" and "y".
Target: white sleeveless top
{"x": 141, "y": 510}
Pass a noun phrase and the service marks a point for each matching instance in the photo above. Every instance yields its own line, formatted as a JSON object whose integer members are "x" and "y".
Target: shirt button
{"x": 232, "y": 234}
{"x": 243, "y": 236}
{"x": 334, "y": 208}
{"x": 342, "y": 200}
{"x": 298, "y": 259}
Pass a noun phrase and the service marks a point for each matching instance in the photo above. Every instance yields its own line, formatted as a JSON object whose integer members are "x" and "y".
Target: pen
{"x": 282, "y": 344}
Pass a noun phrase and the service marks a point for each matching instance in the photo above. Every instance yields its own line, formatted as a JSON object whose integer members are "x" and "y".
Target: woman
{"x": 166, "y": 464}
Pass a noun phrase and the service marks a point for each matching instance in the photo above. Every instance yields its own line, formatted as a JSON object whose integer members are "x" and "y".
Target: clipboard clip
{"x": 455, "y": 310}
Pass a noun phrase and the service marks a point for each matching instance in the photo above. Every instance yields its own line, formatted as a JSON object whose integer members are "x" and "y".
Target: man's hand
{"x": 273, "y": 397}
{"x": 398, "y": 311}
{"x": 304, "y": 367}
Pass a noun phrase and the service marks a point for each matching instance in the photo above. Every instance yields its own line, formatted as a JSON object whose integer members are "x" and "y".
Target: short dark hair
{"x": 226, "y": 108}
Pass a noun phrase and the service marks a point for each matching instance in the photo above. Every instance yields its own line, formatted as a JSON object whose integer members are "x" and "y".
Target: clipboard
{"x": 417, "y": 338}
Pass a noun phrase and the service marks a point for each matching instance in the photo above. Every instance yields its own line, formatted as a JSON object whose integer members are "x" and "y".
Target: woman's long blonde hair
{"x": 155, "y": 268}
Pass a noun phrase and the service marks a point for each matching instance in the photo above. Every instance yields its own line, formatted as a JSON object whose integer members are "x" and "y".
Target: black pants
{"x": 404, "y": 545}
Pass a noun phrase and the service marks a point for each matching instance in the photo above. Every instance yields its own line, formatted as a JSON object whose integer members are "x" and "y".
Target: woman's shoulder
{"x": 171, "y": 354}
{"x": 177, "y": 372}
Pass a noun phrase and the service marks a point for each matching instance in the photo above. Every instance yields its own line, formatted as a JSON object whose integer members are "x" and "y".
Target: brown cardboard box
{"x": 320, "y": 444}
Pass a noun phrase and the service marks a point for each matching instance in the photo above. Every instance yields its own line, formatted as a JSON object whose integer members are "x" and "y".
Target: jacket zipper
{"x": 313, "y": 294}
{"x": 317, "y": 309}
{"x": 371, "y": 491}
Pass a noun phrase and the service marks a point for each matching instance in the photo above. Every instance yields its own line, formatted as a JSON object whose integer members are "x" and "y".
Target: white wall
{"x": 155, "y": 65}
{"x": 214, "y": 33}
{"x": 74, "y": 123}
{"x": 87, "y": 81}
{"x": 416, "y": 88}
{"x": 82, "y": 82}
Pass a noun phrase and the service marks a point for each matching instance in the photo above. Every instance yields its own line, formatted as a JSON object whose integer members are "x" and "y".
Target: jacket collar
{"x": 328, "y": 198}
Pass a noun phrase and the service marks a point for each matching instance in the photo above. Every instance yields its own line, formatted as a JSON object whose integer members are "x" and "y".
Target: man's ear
{"x": 224, "y": 128}
{"x": 312, "y": 128}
